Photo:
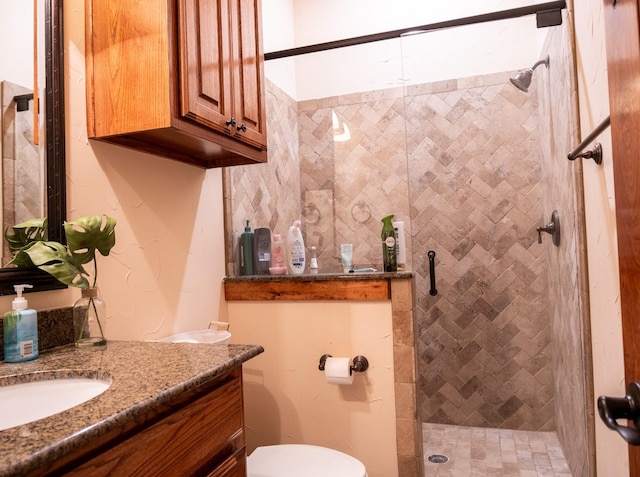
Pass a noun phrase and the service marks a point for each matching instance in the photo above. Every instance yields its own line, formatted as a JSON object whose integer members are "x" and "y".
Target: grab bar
{"x": 432, "y": 272}
{"x": 596, "y": 153}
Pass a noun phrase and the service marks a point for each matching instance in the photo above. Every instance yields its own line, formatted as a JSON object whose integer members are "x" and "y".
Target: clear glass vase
{"x": 89, "y": 319}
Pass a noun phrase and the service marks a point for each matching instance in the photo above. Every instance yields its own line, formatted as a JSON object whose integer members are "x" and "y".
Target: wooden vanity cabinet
{"x": 200, "y": 434}
{"x": 182, "y": 79}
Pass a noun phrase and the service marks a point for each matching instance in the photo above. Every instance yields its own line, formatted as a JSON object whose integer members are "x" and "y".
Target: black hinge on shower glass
{"x": 548, "y": 18}
{"x": 22, "y": 101}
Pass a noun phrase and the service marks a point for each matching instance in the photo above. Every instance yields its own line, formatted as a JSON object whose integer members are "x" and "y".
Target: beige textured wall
{"x": 287, "y": 398}
{"x": 606, "y": 327}
{"x": 165, "y": 272}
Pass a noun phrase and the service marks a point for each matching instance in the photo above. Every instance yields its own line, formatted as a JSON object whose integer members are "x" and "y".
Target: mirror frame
{"x": 55, "y": 152}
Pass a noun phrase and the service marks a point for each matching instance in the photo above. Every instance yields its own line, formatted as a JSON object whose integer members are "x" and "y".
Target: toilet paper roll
{"x": 338, "y": 371}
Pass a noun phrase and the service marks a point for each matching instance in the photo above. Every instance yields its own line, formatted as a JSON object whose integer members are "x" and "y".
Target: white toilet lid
{"x": 296, "y": 460}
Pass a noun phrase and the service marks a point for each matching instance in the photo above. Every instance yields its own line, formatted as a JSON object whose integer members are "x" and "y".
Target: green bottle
{"x": 388, "y": 235}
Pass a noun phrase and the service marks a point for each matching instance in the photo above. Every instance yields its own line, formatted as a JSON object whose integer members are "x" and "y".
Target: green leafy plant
{"x": 30, "y": 248}
{"x": 21, "y": 236}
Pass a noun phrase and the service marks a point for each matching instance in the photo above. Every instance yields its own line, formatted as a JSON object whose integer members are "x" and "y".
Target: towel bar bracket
{"x": 595, "y": 154}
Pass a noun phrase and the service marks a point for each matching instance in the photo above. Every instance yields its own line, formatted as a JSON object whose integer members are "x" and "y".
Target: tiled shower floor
{"x": 476, "y": 451}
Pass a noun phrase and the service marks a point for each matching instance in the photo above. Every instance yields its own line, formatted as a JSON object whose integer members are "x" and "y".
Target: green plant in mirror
{"x": 21, "y": 236}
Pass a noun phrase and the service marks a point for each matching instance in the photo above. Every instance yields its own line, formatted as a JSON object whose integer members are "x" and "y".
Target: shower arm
{"x": 544, "y": 61}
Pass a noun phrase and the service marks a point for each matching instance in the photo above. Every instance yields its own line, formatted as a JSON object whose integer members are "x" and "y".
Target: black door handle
{"x": 612, "y": 408}
{"x": 432, "y": 272}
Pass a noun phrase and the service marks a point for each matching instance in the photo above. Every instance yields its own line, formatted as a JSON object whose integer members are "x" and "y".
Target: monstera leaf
{"x": 54, "y": 258}
{"x": 84, "y": 236}
{"x": 88, "y": 234}
{"x": 21, "y": 236}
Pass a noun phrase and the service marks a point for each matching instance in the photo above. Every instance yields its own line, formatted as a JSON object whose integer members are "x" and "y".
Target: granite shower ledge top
{"x": 306, "y": 287}
{"x": 144, "y": 376}
{"x": 320, "y": 277}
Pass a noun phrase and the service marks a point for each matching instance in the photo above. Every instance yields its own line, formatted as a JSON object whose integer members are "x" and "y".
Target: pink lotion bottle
{"x": 278, "y": 256}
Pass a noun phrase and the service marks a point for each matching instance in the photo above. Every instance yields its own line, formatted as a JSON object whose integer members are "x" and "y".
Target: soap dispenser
{"x": 20, "y": 326}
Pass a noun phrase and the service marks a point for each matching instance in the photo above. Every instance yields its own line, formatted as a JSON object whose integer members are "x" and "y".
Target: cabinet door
{"x": 248, "y": 71}
{"x": 205, "y": 75}
{"x": 207, "y": 433}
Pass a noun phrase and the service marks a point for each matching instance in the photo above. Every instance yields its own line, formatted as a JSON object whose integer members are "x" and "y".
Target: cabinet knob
{"x": 231, "y": 122}
{"x": 242, "y": 127}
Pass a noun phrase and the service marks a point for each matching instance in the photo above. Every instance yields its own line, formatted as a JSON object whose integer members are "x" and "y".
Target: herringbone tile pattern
{"x": 465, "y": 153}
{"x": 475, "y": 195}
{"x": 366, "y": 176}
{"x": 268, "y": 194}
{"x": 21, "y": 162}
{"x": 458, "y": 162}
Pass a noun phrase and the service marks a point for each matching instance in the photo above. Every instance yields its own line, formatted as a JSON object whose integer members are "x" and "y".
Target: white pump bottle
{"x": 295, "y": 249}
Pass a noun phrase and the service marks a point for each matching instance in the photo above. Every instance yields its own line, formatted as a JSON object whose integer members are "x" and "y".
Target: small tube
{"x": 346, "y": 253}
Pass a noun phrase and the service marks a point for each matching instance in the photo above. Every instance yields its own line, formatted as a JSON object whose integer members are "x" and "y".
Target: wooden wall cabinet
{"x": 183, "y": 79}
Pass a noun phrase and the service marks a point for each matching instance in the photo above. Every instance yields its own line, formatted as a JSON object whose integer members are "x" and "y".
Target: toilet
{"x": 296, "y": 460}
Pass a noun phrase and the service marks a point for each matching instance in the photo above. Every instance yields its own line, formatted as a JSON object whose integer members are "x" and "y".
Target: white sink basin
{"x": 27, "y": 402}
{"x": 199, "y": 336}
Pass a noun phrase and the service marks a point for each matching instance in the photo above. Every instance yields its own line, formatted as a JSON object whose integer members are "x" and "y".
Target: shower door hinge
{"x": 548, "y": 18}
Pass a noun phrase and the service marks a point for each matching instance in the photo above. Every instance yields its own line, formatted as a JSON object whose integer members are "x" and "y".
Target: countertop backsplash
{"x": 55, "y": 328}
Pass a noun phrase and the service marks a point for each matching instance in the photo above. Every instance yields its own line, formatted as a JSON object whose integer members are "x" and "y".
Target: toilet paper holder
{"x": 359, "y": 364}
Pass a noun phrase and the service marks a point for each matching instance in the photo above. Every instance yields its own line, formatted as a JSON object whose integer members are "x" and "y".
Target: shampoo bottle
{"x": 20, "y": 327}
{"x": 261, "y": 251}
{"x": 245, "y": 251}
{"x": 295, "y": 249}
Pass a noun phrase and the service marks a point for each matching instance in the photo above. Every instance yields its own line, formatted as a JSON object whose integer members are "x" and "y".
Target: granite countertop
{"x": 144, "y": 375}
{"x": 320, "y": 277}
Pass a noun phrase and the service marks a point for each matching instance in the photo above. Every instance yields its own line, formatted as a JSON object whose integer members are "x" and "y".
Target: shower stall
{"x": 436, "y": 134}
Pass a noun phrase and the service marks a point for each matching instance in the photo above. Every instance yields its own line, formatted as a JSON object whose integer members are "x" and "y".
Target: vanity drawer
{"x": 234, "y": 466}
{"x": 199, "y": 438}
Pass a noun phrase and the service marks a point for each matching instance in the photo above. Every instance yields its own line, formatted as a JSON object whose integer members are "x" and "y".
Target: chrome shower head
{"x": 522, "y": 80}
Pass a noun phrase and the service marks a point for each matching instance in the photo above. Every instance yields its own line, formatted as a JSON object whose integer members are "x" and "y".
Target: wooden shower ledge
{"x": 330, "y": 286}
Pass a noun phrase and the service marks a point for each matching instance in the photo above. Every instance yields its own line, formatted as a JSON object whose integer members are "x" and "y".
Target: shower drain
{"x": 438, "y": 458}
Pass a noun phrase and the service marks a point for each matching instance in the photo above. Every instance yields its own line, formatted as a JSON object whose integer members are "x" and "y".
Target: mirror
{"x": 54, "y": 148}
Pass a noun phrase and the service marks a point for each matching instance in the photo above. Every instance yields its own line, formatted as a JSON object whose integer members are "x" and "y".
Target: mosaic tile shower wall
{"x": 476, "y": 199}
{"x": 568, "y": 292}
{"x": 473, "y": 183}
{"x": 266, "y": 194}
{"x": 349, "y": 186}
{"x": 457, "y": 161}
